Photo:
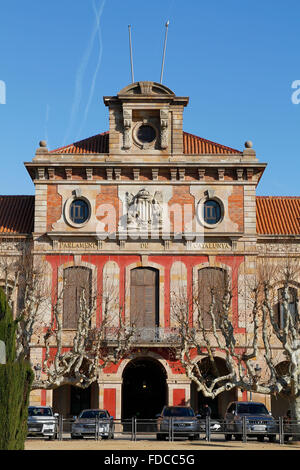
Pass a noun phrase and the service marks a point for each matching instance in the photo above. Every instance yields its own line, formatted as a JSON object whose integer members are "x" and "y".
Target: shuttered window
{"x": 144, "y": 297}
{"x": 76, "y": 281}
{"x": 211, "y": 282}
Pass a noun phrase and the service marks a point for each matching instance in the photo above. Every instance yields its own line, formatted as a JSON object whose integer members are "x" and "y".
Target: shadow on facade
{"x": 219, "y": 404}
{"x": 70, "y": 401}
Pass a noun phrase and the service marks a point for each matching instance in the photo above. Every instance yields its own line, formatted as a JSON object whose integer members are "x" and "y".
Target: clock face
{"x": 146, "y": 134}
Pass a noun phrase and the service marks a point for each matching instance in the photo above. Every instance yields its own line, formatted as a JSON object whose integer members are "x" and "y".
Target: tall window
{"x": 144, "y": 297}
{"x": 292, "y": 296}
{"x": 77, "y": 281}
{"x": 211, "y": 289}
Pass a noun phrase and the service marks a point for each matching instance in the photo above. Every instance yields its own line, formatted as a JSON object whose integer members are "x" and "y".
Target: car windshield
{"x": 92, "y": 414}
{"x": 178, "y": 411}
{"x": 35, "y": 411}
{"x": 252, "y": 408}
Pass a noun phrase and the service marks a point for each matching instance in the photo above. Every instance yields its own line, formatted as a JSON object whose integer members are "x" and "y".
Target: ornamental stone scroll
{"x": 127, "y": 123}
{"x": 164, "y": 123}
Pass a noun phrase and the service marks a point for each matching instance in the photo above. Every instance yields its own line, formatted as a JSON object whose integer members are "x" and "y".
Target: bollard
{"x": 281, "y": 430}
{"x": 207, "y": 428}
{"x": 60, "y": 427}
{"x": 244, "y": 428}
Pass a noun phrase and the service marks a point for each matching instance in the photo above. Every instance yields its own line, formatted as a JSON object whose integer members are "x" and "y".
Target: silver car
{"x": 259, "y": 422}
{"x": 93, "y": 421}
{"x": 42, "y": 422}
{"x": 181, "y": 421}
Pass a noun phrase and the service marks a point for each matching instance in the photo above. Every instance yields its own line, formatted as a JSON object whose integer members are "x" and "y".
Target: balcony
{"x": 155, "y": 336}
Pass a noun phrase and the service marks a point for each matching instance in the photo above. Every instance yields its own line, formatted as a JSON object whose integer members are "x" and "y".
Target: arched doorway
{"x": 144, "y": 389}
{"x": 219, "y": 404}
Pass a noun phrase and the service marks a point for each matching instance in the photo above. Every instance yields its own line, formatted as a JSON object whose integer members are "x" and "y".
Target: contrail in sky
{"x": 92, "y": 88}
{"x": 80, "y": 73}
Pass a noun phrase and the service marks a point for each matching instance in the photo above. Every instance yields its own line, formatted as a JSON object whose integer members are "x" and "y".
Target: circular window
{"x": 211, "y": 212}
{"x": 79, "y": 211}
{"x": 146, "y": 134}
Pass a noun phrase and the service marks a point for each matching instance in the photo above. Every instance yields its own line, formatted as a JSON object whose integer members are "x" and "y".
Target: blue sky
{"x": 235, "y": 59}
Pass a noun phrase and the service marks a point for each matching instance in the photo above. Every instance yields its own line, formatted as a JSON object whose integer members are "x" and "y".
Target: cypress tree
{"x": 16, "y": 377}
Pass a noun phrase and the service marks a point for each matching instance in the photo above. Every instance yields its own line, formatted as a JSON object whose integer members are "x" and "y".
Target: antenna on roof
{"x": 164, "y": 52}
{"x": 130, "y": 47}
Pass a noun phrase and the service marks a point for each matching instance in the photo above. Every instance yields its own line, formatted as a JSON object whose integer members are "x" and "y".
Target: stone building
{"x": 153, "y": 207}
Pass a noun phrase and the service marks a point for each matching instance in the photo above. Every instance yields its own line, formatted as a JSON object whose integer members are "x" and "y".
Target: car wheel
{"x": 191, "y": 438}
{"x": 238, "y": 437}
{"x": 272, "y": 438}
{"x": 260, "y": 438}
{"x": 228, "y": 437}
{"x": 197, "y": 436}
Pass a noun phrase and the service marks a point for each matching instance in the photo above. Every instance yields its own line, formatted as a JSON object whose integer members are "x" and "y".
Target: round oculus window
{"x": 79, "y": 211}
{"x": 146, "y": 134}
{"x": 212, "y": 213}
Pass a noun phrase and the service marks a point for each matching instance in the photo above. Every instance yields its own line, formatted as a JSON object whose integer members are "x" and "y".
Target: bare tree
{"x": 204, "y": 319}
{"x": 75, "y": 356}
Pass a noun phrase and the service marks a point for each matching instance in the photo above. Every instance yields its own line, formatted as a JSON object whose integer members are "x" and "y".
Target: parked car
{"x": 42, "y": 422}
{"x": 183, "y": 419}
{"x": 259, "y": 422}
{"x": 85, "y": 424}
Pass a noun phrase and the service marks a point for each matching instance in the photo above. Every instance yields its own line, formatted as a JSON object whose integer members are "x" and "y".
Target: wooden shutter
{"x": 208, "y": 279}
{"x": 76, "y": 280}
{"x": 144, "y": 297}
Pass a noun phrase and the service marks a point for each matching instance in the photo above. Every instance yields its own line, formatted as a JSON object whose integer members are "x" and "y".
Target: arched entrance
{"x": 144, "y": 389}
{"x": 219, "y": 404}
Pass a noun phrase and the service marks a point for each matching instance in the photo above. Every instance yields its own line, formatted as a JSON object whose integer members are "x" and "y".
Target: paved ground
{"x": 152, "y": 444}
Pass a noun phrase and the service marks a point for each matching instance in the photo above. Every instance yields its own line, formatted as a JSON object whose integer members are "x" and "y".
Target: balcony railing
{"x": 148, "y": 335}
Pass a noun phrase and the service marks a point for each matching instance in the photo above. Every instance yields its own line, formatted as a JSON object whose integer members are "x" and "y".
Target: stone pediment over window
{"x": 145, "y": 88}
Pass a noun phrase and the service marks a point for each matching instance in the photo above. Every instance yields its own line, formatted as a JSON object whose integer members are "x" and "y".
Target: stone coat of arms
{"x": 144, "y": 210}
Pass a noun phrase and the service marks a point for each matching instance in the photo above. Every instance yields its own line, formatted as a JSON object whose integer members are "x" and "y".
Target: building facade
{"x": 152, "y": 208}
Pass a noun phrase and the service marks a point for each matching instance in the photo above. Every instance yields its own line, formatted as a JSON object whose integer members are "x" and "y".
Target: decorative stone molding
{"x": 144, "y": 210}
{"x": 109, "y": 173}
{"x": 89, "y": 173}
{"x": 117, "y": 172}
{"x": 51, "y": 173}
{"x": 164, "y": 115}
{"x": 68, "y": 172}
{"x": 155, "y": 174}
{"x": 201, "y": 174}
{"x": 136, "y": 174}
{"x": 41, "y": 173}
{"x": 221, "y": 173}
{"x": 146, "y": 88}
{"x": 249, "y": 173}
{"x": 173, "y": 172}
{"x": 240, "y": 174}
{"x": 127, "y": 123}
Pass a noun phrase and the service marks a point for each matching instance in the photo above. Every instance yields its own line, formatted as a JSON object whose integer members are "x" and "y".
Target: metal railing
{"x": 172, "y": 429}
{"x": 147, "y": 335}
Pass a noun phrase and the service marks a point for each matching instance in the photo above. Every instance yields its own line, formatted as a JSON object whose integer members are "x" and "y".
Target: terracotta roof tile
{"x": 192, "y": 145}
{"x": 278, "y": 215}
{"x": 96, "y": 144}
{"x": 16, "y": 214}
